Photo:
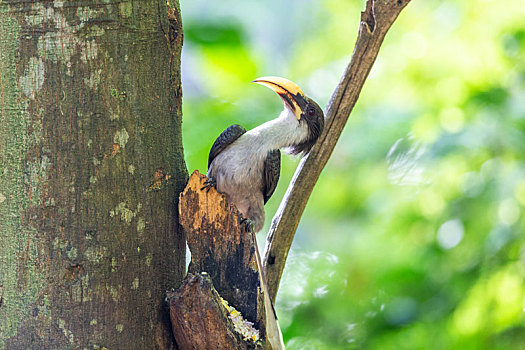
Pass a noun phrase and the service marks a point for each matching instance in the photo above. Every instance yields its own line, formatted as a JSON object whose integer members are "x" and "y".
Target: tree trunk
{"x": 91, "y": 164}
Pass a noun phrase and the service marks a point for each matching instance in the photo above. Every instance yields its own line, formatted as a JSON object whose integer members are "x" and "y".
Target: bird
{"x": 246, "y": 165}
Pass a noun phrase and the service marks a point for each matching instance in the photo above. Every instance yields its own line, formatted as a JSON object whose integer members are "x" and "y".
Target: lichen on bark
{"x": 21, "y": 280}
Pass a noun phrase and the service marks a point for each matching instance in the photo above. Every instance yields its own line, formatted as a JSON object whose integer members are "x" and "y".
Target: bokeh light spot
{"x": 508, "y": 212}
{"x": 450, "y": 234}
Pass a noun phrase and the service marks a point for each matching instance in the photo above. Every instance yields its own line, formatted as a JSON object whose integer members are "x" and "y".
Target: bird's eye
{"x": 311, "y": 112}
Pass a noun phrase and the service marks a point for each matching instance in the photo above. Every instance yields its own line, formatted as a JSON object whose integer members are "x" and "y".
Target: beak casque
{"x": 290, "y": 93}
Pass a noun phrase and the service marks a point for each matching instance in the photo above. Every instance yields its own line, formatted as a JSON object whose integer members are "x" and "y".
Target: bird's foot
{"x": 209, "y": 184}
{"x": 248, "y": 224}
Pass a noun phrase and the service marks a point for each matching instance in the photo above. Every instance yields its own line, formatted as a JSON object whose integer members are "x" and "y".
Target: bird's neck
{"x": 281, "y": 132}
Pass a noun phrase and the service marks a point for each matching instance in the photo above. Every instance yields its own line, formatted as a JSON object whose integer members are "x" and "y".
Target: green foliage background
{"x": 414, "y": 235}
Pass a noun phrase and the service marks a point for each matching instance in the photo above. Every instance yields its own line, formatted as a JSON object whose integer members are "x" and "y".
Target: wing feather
{"x": 272, "y": 171}
{"x": 226, "y": 138}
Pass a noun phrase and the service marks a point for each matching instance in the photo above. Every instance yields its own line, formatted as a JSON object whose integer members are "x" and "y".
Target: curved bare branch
{"x": 376, "y": 20}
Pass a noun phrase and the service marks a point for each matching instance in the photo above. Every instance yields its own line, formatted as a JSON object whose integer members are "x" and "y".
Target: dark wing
{"x": 225, "y": 139}
{"x": 272, "y": 170}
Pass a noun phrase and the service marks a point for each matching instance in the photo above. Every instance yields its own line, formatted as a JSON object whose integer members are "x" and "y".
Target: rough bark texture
{"x": 222, "y": 248}
{"x": 375, "y": 23}
{"x": 91, "y": 165}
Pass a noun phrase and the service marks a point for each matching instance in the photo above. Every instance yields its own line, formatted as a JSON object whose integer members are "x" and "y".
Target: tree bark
{"x": 91, "y": 165}
{"x": 376, "y": 20}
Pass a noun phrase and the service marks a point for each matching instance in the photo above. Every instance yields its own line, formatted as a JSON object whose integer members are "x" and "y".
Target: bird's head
{"x": 304, "y": 108}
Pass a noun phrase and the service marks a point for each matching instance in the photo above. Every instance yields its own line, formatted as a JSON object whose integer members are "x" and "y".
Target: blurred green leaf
{"x": 224, "y": 33}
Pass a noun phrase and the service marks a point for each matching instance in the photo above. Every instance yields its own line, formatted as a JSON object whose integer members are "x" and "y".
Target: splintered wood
{"x": 222, "y": 249}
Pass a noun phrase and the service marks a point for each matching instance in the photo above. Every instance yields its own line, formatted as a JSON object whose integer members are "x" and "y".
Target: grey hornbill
{"x": 246, "y": 164}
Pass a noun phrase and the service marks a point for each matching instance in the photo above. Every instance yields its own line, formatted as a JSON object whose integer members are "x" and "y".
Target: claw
{"x": 248, "y": 224}
{"x": 209, "y": 184}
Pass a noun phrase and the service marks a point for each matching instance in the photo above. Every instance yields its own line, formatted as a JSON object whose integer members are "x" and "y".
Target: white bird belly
{"x": 239, "y": 173}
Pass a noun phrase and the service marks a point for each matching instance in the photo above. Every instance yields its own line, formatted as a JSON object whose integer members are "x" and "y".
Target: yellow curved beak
{"x": 290, "y": 93}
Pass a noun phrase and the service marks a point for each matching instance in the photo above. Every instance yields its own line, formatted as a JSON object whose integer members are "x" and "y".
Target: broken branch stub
{"x": 222, "y": 248}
